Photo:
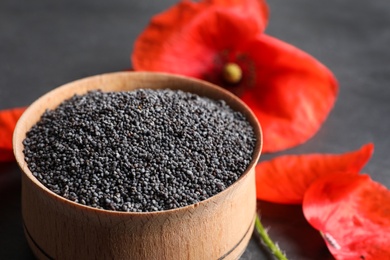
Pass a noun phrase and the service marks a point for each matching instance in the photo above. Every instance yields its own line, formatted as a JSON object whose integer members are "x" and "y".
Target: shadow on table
{"x": 288, "y": 227}
{"x": 13, "y": 245}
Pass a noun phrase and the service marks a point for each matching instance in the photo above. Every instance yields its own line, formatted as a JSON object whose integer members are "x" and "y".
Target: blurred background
{"x": 44, "y": 44}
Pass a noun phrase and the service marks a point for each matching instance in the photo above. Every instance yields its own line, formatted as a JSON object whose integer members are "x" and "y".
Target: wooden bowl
{"x": 56, "y": 228}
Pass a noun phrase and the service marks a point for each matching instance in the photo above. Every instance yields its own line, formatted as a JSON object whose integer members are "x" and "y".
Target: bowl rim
{"x": 21, "y": 130}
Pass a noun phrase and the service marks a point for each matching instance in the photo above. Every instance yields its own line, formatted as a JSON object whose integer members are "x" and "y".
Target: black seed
{"x": 139, "y": 151}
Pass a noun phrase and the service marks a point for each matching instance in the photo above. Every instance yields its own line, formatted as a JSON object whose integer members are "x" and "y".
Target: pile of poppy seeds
{"x": 139, "y": 151}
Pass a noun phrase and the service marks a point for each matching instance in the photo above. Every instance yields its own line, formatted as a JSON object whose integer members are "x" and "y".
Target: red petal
{"x": 294, "y": 93}
{"x": 353, "y": 214}
{"x": 185, "y": 38}
{"x": 285, "y": 179}
{"x": 257, "y": 7}
{"x": 8, "y": 119}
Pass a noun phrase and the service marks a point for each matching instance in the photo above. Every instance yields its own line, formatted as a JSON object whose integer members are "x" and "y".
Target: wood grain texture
{"x": 56, "y": 228}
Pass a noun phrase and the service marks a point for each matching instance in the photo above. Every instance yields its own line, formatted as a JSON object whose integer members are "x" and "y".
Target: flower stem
{"x": 274, "y": 248}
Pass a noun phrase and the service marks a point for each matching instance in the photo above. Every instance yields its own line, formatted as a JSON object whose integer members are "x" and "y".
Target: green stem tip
{"x": 274, "y": 248}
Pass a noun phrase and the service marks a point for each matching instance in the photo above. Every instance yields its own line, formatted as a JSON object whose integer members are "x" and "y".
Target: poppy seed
{"x": 139, "y": 151}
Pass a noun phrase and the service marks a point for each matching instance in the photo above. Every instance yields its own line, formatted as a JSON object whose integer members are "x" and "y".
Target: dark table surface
{"x": 44, "y": 44}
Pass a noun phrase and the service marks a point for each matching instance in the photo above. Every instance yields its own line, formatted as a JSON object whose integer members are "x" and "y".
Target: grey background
{"x": 44, "y": 44}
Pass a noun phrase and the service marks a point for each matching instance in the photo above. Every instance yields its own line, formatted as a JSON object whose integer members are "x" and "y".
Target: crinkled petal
{"x": 353, "y": 214}
{"x": 285, "y": 179}
{"x": 257, "y": 8}
{"x": 8, "y": 119}
{"x": 293, "y": 95}
{"x": 186, "y": 38}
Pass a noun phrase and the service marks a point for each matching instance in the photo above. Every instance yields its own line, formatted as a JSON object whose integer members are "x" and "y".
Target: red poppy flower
{"x": 8, "y": 119}
{"x": 223, "y": 42}
{"x": 353, "y": 214}
{"x": 285, "y": 179}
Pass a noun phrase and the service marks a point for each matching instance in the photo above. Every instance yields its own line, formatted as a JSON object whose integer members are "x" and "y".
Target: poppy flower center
{"x": 232, "y": 73}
